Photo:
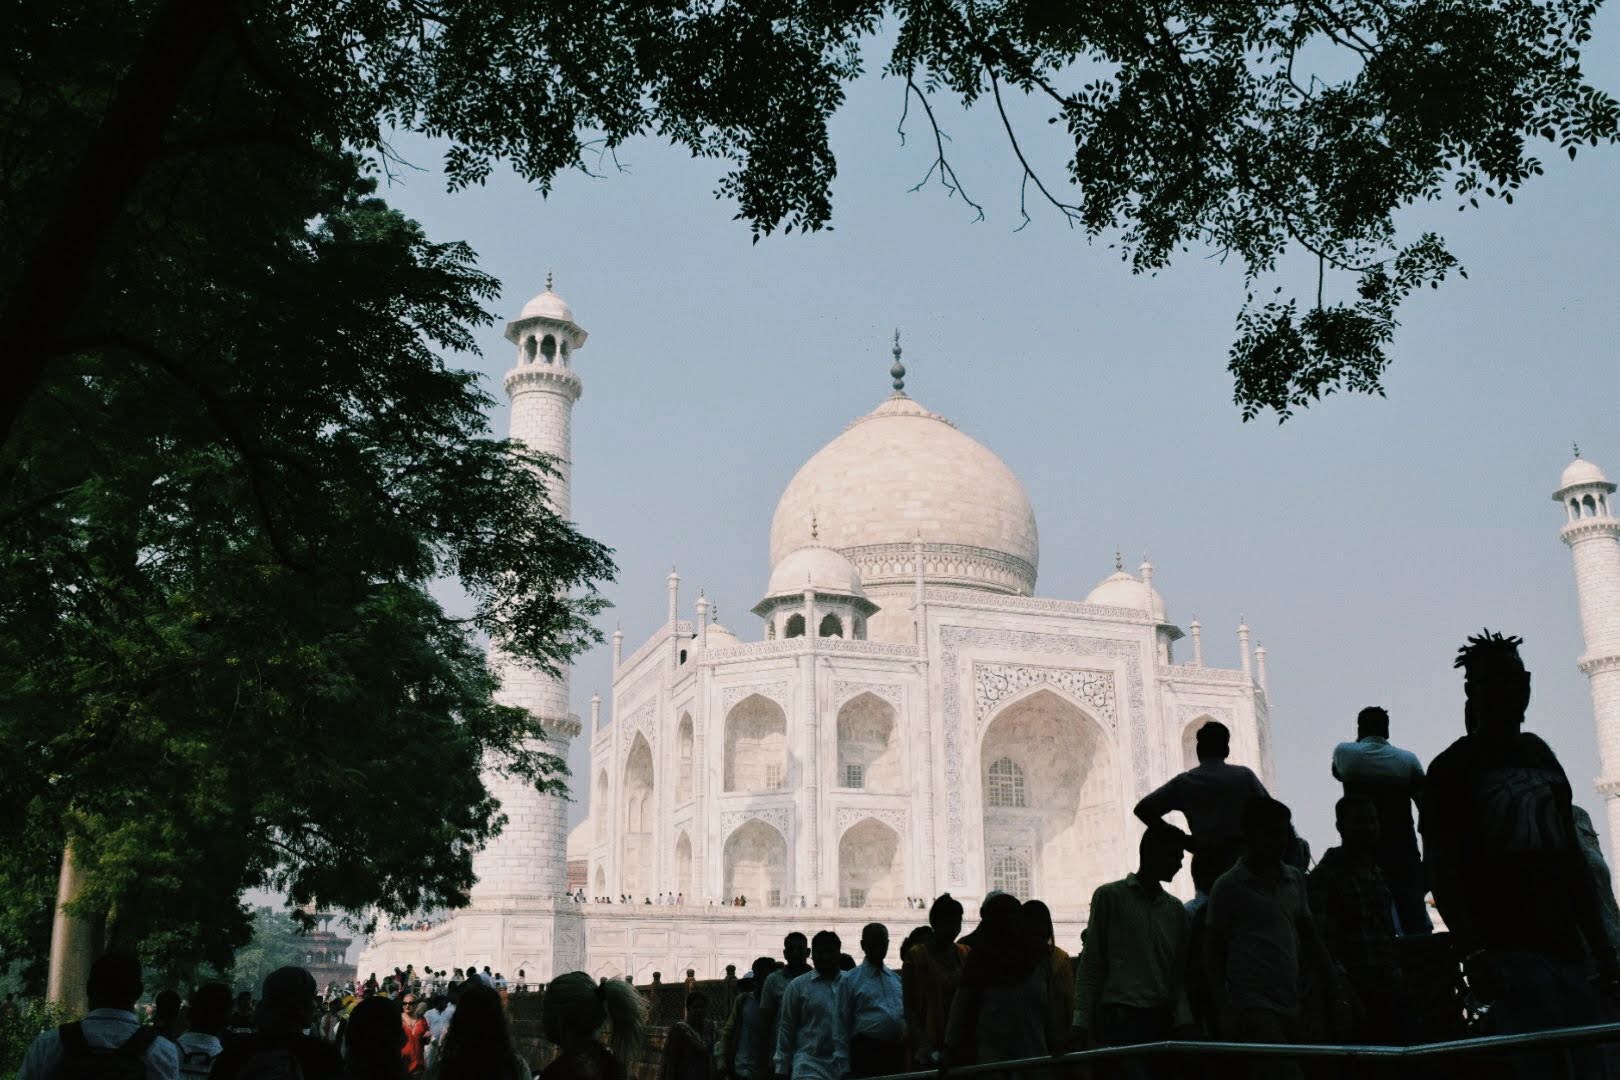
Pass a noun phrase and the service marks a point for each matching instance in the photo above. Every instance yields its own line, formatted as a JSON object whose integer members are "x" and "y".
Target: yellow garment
{"x": 1135, "y": 953}
{"x": 928, "y": 982}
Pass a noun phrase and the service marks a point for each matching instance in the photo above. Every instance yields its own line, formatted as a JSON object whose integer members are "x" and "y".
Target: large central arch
{"x": 756, "y": 745}
{"x": 636, "y": 872}
{"x": 1049, "y": 792}
{"x": 756, "y": 864}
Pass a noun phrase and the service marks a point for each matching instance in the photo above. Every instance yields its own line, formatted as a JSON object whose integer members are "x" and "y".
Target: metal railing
{"x": 1548, "y": 1039}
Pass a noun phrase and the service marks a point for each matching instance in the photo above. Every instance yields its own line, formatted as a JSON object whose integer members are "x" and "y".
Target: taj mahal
{"x": 906, "y": 715}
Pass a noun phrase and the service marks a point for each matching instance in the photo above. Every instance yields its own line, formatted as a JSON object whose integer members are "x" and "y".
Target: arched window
{"x": 683, "y": 656}
{"x": 548, "y": 347}
{"x": 529, "y": 347}
{"x": 1006, "y": 784}
{"x": 795, "y": 626}
{"x": 832, "y": 626}
{"x": 562, "y": 351}
{"x": 860, "y": 628}
{"x": 1010, "y": 874}
{"x": 683, "y": 760}
{"x": 1590, "y": 505}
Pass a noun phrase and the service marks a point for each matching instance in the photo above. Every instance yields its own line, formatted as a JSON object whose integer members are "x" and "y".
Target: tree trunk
{"x": 61, "y": 263}
{"x": 74, "y": 942}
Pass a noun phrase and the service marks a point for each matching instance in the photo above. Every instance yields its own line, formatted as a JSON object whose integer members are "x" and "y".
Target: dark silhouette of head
{"x": 945, "y": 916}
{"x": 1039, "y": 919}
{"x": 1213, "y": 741}
{"x": 763, "y": 966}
{"x": 846, "y": 962}
{"x": 920, "y": 935}
{"x": 287, "y": 1002}
{"x": 166, "y": 1008}
{"x": 1268, "y": 832}
{"x": 1357, "y": 820}
{"x": 1206, "y": 867}
{"x": 697, "y": 1008}
{"x": 478, "y": 1041}
{"x": 1159, "y": 853}
{"x": 874, "y": 942}
{"x": 825, "y": 951}
{"x": 114, "y": 982}
{"x": 210, "y": 1008}
{"x": 795, "y": 950}
{"x": 1495, "y": 684}
{"x": 1373, "y": 720}
{"x": 373, "y": 1039}
{"x": 1005, "y": 947}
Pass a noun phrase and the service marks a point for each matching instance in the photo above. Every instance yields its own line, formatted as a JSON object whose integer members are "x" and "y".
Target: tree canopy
{"x": 221, "y": 514}
{"x": 1242, "y": 128}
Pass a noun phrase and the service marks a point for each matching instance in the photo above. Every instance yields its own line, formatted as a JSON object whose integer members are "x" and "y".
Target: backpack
{"x": 81, "y": 1061}
{"x": 196, "y": 1062}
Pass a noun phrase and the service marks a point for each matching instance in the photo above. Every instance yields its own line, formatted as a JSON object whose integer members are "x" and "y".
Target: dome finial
{"x": 548, "y": 280}
{"x": 815, "y": 528}
{"x": 1119, "y": 560}
{"x": 898, "y": 371}
{"x": 1577, "y": 448}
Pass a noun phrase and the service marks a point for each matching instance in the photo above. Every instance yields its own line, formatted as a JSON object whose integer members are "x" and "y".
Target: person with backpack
{"x": 109, "y": 1043}
{"x": 279, "y": 1049}
{"x": 199, "y": 1045}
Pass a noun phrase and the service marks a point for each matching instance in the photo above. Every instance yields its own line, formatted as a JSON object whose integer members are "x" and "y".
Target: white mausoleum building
{"x": 903, "y": 716}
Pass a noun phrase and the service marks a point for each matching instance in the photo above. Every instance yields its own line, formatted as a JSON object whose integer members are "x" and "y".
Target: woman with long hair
{"x": 478, "y": 1043}
{"x": 372, "y": 1041}
{"x": 1003, "y": 1009}
{"x": 1062, "y": 982}
{"x": 575, "y": 1010}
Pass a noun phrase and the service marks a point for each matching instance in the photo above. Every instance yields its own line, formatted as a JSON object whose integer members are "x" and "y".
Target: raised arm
{"x": 1159, "y": 802}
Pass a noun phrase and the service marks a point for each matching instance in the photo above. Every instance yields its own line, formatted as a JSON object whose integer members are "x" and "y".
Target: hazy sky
{"x": 1363, "y": 540}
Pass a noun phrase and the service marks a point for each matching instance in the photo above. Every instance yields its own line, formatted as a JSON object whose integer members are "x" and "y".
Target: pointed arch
{"x": 635, "y": 867}
{"x": 1068, "y": 823}
{"x": 683, "y": 864}
{"x": 871, "y": 865}
{"x": 868, "y": 746}
{"x": 794, "y": 627}
{"x": 755, "y": 863}
{"x": 1189, "y": 740}
{"x": 683, "y": 759}
{"x": 755, "y": 745}
{"x": 831, "y": 626}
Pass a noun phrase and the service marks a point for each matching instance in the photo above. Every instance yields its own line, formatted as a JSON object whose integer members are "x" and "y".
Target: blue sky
{"x": 1363, "y": 540}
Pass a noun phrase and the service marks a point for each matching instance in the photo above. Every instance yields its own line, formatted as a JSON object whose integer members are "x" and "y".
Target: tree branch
{"x": 947, "y": 175}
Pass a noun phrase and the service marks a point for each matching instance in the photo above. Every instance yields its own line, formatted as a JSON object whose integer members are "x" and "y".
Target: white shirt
{"x": 438, "y": 1020}
{"x": 192, "y": 1046}
{"x": 870, "y": 997}
{"x": 102, "y": 1028}
{"x": 810, "y": 1040}
{"x": 487, "y": 978}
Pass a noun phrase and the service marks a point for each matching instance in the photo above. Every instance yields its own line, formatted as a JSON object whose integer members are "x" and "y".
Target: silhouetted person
{"x": 689, "y": 1043}
{"x": 1259, "y": 938}
{"x": 200, "y": 1044}
{"x": 1132, "y": 984}
{"x": 1392, "y": 778}
{"x": 874, "y": 1015}
{"x": 810, "y": 1039}
{"x": 1060, "y": 987}
{"x": 740, "y": 1041}
{"x": 929, "y": 979}
{"x": 1204, "y": 1011}
{"x": 1351, "y": 904}
{"x": 1003, "y": 1009}
{"x": 374, "y": 1040}
{"x": 241, "y": 1022}
{"x": 1211, "y": 795}
{"x": 575, "y": 1009}
{"x": 166, "y": 1013}
{"x": 1506, "y": 865}
{"x": 286, "y": 1008}
{"x": 1586, "y": 835}
{"x": 108, "y": 1031}
{"x": 796, "y": 951}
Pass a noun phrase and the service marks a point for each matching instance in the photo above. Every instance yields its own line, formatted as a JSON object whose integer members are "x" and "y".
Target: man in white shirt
{"x": 199, "y": 1045}
{"x": 874, "y": 1016}
{"x": 110, "y": 1027}
{"x": 1377, "y": 769}
{"x": 810, "y": 1040}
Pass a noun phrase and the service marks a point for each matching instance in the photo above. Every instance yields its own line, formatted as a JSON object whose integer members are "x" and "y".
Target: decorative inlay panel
{"x": 847, "y": 817}
{"x": 642, "y": 719}
{"x": 775, "y": 691}
{"x": 843, "y": 690}
{"x": 951, "y": 641}
{"x": 774, "y": 816}
{"x": 782, "y": 647}
{"x": 995, "y": 683}
{"x": 1185, "y": 714}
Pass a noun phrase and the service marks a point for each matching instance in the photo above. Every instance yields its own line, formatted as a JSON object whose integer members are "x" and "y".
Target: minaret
{"x": 1593, "y": 535}
{"x": 530, "y": 857}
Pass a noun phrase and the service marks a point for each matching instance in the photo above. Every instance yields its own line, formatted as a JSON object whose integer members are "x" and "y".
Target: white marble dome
{"x": 1121, "y": 589}
{"x": 1581, "y": 471}
{"x": 817, "y": 567}
{"x": 900, "y": 473}
{"x": 548, "y": 305}
{"x": 721, "y": 638}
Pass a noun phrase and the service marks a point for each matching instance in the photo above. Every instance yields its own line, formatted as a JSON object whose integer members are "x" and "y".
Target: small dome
{"x": 821, "y": 568}
{"x": 721, "y": 638}
{"x": 1581, "y": 471}
{"x": 548, "y": 305}
{"x": 1120, "y": 589}
{"x": 579, "y": 840}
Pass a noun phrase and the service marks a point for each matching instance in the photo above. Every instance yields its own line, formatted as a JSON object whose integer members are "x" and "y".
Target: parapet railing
{"x": 1548, "y": 1039}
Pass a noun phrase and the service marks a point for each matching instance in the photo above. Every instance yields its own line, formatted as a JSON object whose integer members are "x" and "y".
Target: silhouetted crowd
{"x": 1270, "y": 949}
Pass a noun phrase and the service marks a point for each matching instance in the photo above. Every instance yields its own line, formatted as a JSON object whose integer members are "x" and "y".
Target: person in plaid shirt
{"x": 1355, "y": 913}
